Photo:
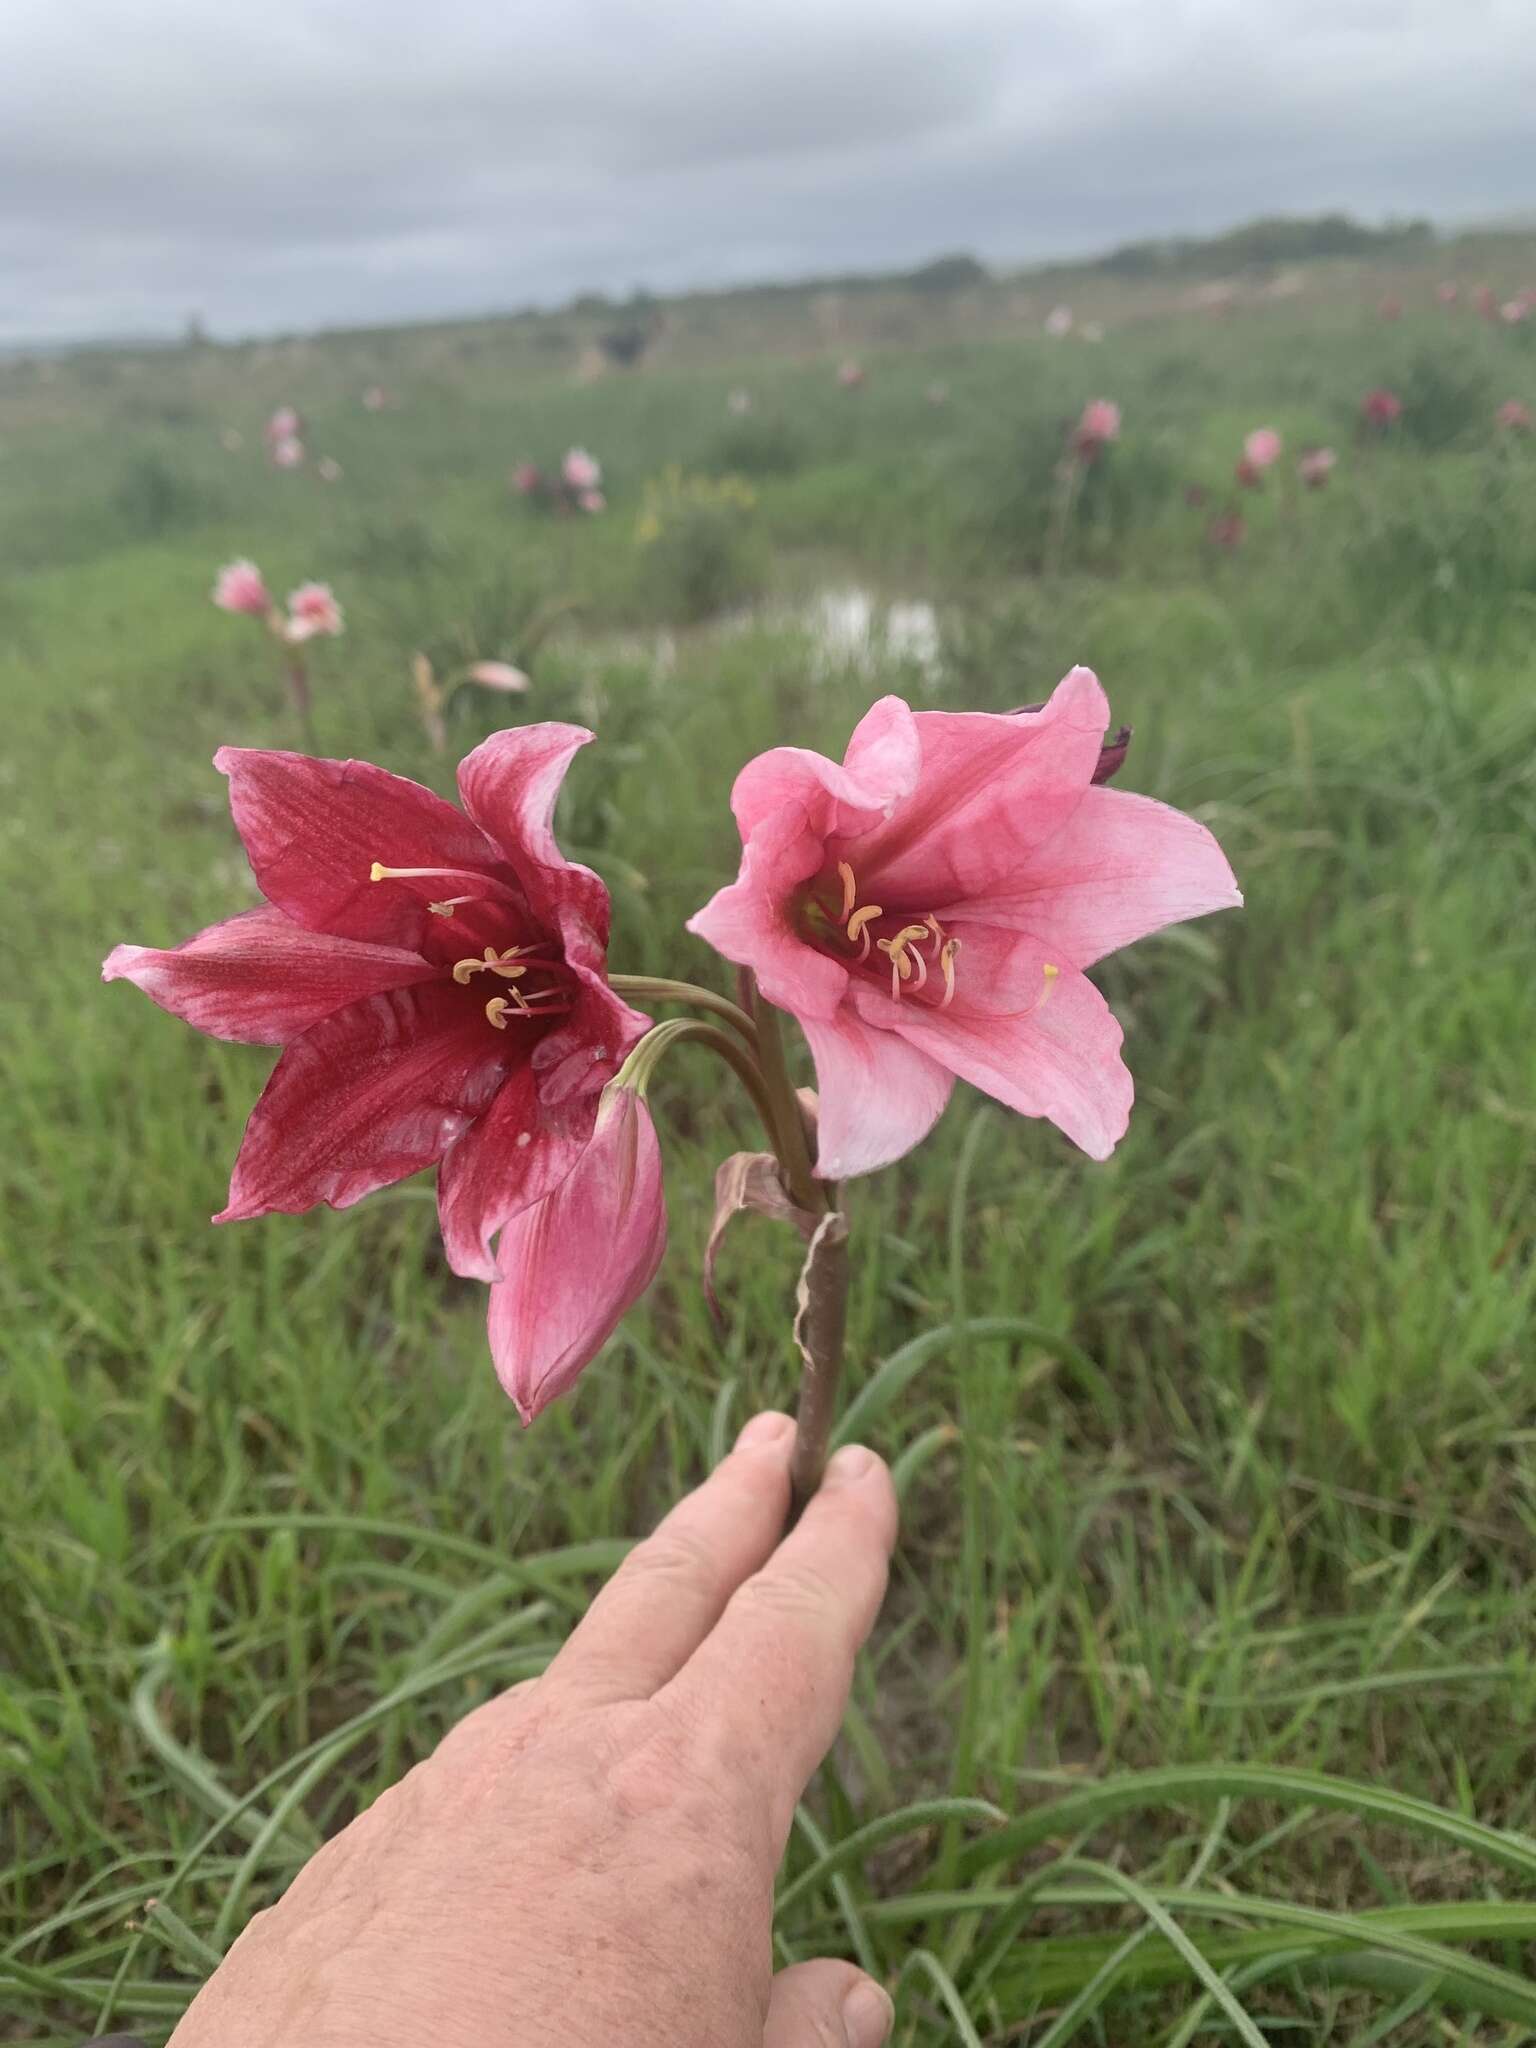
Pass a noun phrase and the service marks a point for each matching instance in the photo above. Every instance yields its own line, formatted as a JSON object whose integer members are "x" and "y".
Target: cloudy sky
{"x": 314, "y": 162}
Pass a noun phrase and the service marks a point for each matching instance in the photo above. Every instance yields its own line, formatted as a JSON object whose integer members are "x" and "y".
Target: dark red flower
{"x": 436, "y": 978}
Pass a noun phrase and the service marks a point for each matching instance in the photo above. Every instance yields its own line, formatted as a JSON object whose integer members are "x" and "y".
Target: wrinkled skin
{"x": 589, "y": 1860}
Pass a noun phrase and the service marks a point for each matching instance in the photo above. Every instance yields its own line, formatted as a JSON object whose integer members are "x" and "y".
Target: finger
{"x": 827, "y": 2005}
{"x": 766, "y": 1691}
{"x": 671, "y": 1590}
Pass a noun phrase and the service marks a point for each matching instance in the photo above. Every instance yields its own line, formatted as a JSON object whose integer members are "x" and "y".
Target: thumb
{"x": 827, "y": 2005}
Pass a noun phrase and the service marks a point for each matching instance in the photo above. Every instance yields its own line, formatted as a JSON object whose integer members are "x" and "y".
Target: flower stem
{"x": 821, "y": 1324}
{"x": 637, "y": 1069}
{"x": 651, "y": 988}
{"x": 303, "y": 703}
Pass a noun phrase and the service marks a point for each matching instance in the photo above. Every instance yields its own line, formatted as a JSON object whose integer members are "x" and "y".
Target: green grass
{"x": 1215, "y": 1597}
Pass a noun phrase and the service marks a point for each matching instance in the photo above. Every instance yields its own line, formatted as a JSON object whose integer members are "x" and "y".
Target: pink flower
{"x": 582, "y": 472}
{"x": 239, "y": 588}
{"x": 437, "y": 979}
{"x": 851, "y": 375}
{"x": 1447, "y": 293}
{"x": 284, "y": 425}
{"x": 1513, "y": 311}
{"x": 526, "y": 478}
{"x": 1315, "y": 467}
{"x": 375, "y": 398}
{"x": 1381, "y": 409}
{"x": 312, "y": 609}
{"x": 1099, "y": 425}
{"x": 1262, "y": 448}
{"x": 1514, "y": 415}
{"x": 926, "y": 910}
{"x": 288, "y": 454}
{"x": 568, "y": 1268}
{"x": 591, "y": 501}
{"x": 497, "y": 675}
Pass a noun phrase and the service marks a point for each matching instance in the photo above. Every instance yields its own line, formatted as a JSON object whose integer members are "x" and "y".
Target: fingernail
{"x": 850, "y": 1465}
{"x": 868, "y": 2015}
{"x": 763, "y": 1430}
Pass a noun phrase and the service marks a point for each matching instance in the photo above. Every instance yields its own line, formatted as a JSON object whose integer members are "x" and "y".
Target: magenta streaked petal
{"x": 513, "y": 1155}
{"x": 367, "y": 1096}
{"x": 313, "y": 830}
{"x": 570, "y": 1266}
{"x": 261, "y": 979}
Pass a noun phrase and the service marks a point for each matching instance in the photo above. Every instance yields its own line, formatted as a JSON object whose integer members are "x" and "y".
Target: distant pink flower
{"x": 1447, "y": 293}
{"x": 1381, "y": 409}
{"x": 582, "y": 472}
{"x": 328, "y": 469}
{"x": 526, "y": 478}
{"x": 239, "y": 588}
{"x": 568, "y": 1268}
{"x": 1515, "y": 416}
{"x": 1486, "y": 301}
{"x": 927, "y": 907}
{"x": 851, "y": 375}
{"x": 497, "y": 675}
{"x": 284, "y": 425}
{"x": 1058, "y": 322}
{"x": 1099, "y": 425}
{"x": 313, "y": 609}
{"x": 1513, "y": 311}
{"x": 591, "y": 501}
{"x": 1262, "y": 448}
{"x": 1227, "y": 531}
{"x": 288, "y": 454}
{"x": 375, "y": 398}
{"x": 1315, "y": 467}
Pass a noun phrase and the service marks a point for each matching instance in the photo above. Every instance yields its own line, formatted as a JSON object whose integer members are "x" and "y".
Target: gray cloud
{"x": 313, "y": 161}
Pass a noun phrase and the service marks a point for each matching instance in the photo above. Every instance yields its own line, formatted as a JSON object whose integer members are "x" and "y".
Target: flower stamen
{"x": 859, "y": 923}
{"x": 905, "y": 964}
{"x": 493, "y": 963}
{"x": 850, "y": 890}
{"x": 947, "y": 954}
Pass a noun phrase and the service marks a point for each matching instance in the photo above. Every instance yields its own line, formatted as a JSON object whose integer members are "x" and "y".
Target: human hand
{"x": 589, "y": 1859}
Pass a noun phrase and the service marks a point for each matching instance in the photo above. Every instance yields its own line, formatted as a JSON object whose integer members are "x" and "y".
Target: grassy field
{"x": 1219, "y": 1461}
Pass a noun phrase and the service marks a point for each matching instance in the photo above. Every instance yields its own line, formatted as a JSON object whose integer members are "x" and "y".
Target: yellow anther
{"x": 850, "y": 891}
{"x": 858, "y": 926}
{"x": 947, "y": 954}
{"x": 1051, "y": 974}
{"x": 493, "y": 963}
{"x": 496, "y": 1012}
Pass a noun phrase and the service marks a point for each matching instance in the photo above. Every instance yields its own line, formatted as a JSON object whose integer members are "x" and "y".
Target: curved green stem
{"x": 637, "y": 1070}
{"x": 652, "y": 988}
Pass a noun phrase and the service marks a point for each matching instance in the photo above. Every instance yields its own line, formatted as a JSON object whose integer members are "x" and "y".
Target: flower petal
{"x": 879, "y": 1096}
{"x": 994, "y": 786}
{"x": 373, "y": 1093}
{"x": 261, "y": 979}
{"x": 879, "y": 769}
{"x": 1057, "y": 1058}
{"x": 747, "y": 921}
{"x": 514, "y": 1155}
{"x": 572, "y": 1264}
{"x": 509, "y": 786}
{"x": 313, "y": 830}
{"x": 1122, "y": 866}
